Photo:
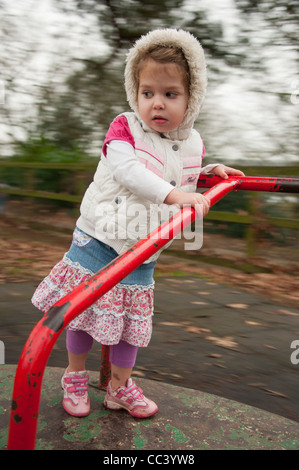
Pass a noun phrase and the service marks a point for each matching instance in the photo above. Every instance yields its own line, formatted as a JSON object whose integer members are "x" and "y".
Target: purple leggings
{"x": 122, "y": 354}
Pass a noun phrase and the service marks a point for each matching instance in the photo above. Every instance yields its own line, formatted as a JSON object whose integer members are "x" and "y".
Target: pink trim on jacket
{"x": 119, "y": 130}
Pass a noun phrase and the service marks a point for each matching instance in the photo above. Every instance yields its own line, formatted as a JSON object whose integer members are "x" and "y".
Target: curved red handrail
{"x": 35, "y": 354}
{"x": 254, "y": 183}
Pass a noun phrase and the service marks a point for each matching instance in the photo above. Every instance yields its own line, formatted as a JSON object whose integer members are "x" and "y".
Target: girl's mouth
{"x": 159, "y": 120}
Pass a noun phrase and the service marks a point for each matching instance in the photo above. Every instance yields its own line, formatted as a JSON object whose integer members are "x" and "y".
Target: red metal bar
{"x": 34, "y": 357}
{"x": 105, "y": 369}
{"x": 35, "y": 354}
{"x": 254, "y": 183}
{"x": 32, "y": 363}
{"x": 214, "y": 194}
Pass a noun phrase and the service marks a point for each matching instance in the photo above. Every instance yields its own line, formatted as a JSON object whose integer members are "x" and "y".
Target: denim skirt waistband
{"x": 94, "y": 255}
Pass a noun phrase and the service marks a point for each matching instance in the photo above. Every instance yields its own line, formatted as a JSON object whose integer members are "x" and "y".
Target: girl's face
{"x": 162, "y": 95}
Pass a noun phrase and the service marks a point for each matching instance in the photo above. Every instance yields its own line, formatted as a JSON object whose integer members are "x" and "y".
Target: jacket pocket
{"x": 81, "y": 238}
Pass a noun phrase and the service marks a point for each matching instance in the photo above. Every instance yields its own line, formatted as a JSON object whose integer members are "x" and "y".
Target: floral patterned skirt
{"x": 123, "y": 313}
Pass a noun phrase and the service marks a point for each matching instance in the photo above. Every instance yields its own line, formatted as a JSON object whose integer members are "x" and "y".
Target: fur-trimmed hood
{"x": 194, "y": 55}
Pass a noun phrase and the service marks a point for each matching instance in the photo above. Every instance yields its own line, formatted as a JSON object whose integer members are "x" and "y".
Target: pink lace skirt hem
{"x": 124, "y": 313}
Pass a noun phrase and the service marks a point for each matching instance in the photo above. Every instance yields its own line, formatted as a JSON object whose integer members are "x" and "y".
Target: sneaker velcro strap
{"x": 79, "y": 385}
{"x": 136, "y": 392}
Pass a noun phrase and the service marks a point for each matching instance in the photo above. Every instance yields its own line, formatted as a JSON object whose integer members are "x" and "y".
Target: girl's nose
{"x": 158, "y": 103}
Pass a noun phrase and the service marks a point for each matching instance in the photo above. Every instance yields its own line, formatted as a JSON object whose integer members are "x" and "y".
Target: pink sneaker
{"x": 75, "y": 386}
{"x": 131, "y": 399}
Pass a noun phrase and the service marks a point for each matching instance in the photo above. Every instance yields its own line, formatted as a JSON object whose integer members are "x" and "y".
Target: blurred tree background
{"x": 62, "y": 68}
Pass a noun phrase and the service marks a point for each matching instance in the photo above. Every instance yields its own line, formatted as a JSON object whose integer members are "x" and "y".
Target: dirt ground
{"x": 34, "y": 238}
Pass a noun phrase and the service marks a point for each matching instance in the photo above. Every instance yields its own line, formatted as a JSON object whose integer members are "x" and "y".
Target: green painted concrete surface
{"x": 187, "y": 420}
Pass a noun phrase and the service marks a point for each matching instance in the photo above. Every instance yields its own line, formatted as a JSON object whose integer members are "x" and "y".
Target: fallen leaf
{"x": 237, "y": 305}
{"x": 254, "y": 323}
{"x": 276, "y": 394}
{"x": 225, "y": 342}
{"x": 138, "y": 373}
{"x": 169, "y": 323}
{"x": 288, "y": 312}
{"x": 197, "y": 330}
{"x": 257, "y": 384}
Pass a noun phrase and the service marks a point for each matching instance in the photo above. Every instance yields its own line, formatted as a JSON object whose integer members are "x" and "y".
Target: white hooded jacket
{"x": 109, "y": 206}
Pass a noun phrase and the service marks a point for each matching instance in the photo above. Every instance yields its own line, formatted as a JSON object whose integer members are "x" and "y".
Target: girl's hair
{"x": 165, "y": 55}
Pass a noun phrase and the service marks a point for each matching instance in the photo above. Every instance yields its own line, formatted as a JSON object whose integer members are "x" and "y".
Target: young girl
{"x": 150, "y": 156}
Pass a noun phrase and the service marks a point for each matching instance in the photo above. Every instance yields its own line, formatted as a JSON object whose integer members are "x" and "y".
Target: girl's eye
{"x": 148, "y": 94}
{"x": 171, "y": 94}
